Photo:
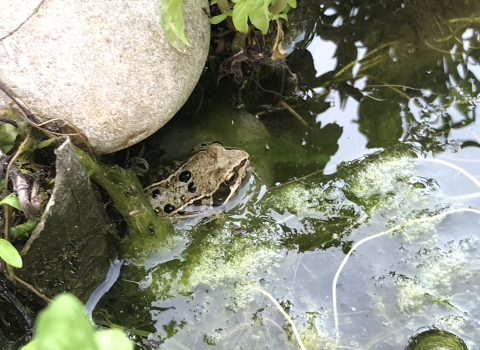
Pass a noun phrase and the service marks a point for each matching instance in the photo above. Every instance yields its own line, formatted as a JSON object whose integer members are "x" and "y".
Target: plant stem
{"x": 223, "y": 5}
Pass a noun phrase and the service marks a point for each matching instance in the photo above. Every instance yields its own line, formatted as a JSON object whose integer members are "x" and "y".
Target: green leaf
{"x": 33, "y": 345}
{"x": 292, "y": 3}
{"x": 172, "y": 21}
{"x": 258, "y": 14}
{"x": 280, "y": 15}
{"x": 240, "y": 16}
{"x": 218, "y": 19}
{"x": 46, "y": 143}
{"x": 63, "y": 325}
{"x": 8, "y": 134}
{"x": 11, "y": 200}
{"x": 10, "y": 254}
{"x": 113, "y": 339}
{"x": 213, "y": 2}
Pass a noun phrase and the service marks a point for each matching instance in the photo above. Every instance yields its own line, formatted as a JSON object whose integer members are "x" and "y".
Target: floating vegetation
{"x": 435, "y": 339}
{"x": 385, "y": 200}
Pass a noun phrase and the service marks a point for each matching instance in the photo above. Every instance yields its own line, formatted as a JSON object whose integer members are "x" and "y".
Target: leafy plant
{"x": 172, "y": 21}
{"x": 259, "y": 12}
{"x": 8, "y": 134}
{"x": 20, "y": 230}
{"x": 63, "y": 325}
{"x": 10, "y": 254}
{"x": 11, "y": 200}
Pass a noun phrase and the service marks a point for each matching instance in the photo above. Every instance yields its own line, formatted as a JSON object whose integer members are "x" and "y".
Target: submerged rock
{"x": 72, "y": 246}
{"x": 104, "y": 67}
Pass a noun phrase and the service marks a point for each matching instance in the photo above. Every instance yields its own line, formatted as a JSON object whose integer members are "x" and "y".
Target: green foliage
{"x": 23, "y": 230}
{"x": 63, "y": 325}
{"x": 10, "y": 254}
{"x": 11, "y": 200}
{"x": 8, "y": 134}
{"x": 46, "y": 143}
{"x": 258, "y": 12}
{"x": 172, "y": 21}
{"x": 244, "y": 12}
{"x": 240, "y": 16}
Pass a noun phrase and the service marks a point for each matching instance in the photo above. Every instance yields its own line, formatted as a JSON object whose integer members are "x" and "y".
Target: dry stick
{"x": 8, "y": 121}
{"x": 24, "y": 194}
{"x": 356, "y": 245}
{"x": 15, "y": 98}
{"x": 453, "y": 166}
{"x": 295, "y": 114}
{"x": 7, "y": 171}
{"x": 35, "y": 123}
{"x": 25, "y": 21}
{"x": 351, "y": 64}
{"x": 288, "y": 318}
{"x": 466, "y": 19}
{"x": 11, "y": 274}
{"x": 29, "y": 116}
{"x": 32, "y": 288}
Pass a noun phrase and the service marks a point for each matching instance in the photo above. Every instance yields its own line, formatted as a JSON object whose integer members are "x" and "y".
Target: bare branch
{"x": 25, "y": 21}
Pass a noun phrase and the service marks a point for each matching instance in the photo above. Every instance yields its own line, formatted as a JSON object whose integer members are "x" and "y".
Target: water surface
{"x": 389, "y": 93}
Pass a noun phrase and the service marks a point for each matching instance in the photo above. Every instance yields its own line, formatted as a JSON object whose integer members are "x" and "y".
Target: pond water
{"x": 359, "y": 222}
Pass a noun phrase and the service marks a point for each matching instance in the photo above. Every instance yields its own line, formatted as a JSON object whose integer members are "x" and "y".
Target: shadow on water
{"x": 380, "y": 86}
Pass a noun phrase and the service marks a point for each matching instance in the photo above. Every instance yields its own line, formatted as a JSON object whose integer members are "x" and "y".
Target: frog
{"x": 208, "y": 179}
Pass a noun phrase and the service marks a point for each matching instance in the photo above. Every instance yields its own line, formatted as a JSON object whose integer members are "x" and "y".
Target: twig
{"x": 30, "y": 204}
{"x": 356, "y": 245}
{"x": 295, "y": 114}
{"x": 25, "y": 21}
{"x": 32, "y": 288}
{"x": 8, "y": 121}
{"x": 10, "y": 164}
{"x": 366, "y": 239}
{"x": 453, "y": 166}
{"x": 31, "y": 117}
{"x": 288, "y": 318}
{"x": 35, "y": 121}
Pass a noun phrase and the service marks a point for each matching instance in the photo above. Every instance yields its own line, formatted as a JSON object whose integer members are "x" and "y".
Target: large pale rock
{"x": 104, "y": 66}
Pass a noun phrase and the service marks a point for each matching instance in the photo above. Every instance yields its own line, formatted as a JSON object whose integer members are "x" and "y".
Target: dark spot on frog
{"x": 156, "y": 193}
{"x": 192, "y": 188}
{"x": 185, "y": 176}
{"x": 168, "y": 208}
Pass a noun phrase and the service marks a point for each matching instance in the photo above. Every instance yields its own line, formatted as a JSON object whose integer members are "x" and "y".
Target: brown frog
{"x": 209, "y": 178}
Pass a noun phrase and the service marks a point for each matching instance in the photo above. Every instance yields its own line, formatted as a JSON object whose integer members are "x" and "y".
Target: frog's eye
{"x": 192, "y": 188}
{"x": 168, "y": 208}
{"x": 230, "y": 178}
{"x": 185, "y": 176}
{"x": 155, "y": 194}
